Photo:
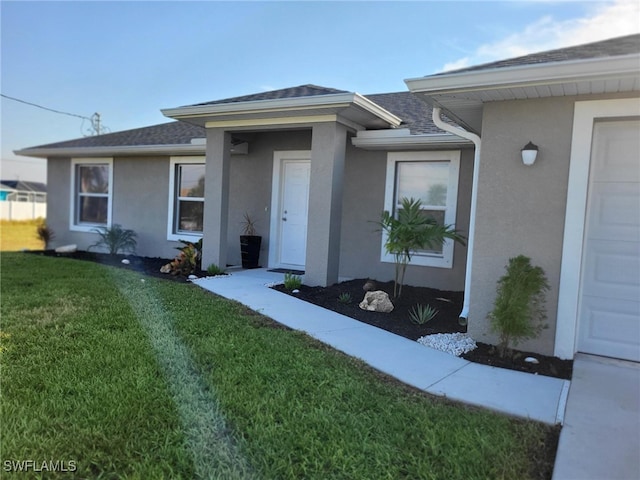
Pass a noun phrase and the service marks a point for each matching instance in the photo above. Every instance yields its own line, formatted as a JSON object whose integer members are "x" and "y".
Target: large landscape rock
{"x": 377, "y": 301}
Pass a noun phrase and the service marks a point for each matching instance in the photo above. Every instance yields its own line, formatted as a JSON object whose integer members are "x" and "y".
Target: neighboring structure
{"x": 21, "y": 200}
{"x": 315, "y": 166}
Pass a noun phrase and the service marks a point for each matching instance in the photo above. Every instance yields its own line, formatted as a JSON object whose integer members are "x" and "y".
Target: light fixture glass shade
{"x": 529, "y": 153}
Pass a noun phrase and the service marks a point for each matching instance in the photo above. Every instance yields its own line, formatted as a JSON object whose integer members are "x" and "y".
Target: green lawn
{"x": 133, "y": 377}
{"x": 19, "y": 235}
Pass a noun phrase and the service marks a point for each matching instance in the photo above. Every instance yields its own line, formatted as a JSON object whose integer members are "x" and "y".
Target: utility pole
{"x": 95, "y": 122}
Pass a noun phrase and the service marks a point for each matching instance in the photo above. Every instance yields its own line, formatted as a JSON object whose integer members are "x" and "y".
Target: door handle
{"x": 284, "y": 219}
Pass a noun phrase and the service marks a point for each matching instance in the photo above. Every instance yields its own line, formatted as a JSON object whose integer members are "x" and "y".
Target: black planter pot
{"x": 250, "y": 250}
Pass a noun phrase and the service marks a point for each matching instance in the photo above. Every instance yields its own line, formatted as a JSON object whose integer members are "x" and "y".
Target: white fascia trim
{"x": 339, "y": 100}
{"x": 527, "y": 75}
{"x": 173, "y": 161}
{"x": 389, "y": 139}
{"x": 112, "y": 151}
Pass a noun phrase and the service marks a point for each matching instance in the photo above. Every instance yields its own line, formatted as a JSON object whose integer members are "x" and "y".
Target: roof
{"x": 605, "y": 48}
{"x": 415, "y": 115}
{"x": 292, "y": 92}
{"x": 606, "y": 67}
{"x": 24, "y": 186}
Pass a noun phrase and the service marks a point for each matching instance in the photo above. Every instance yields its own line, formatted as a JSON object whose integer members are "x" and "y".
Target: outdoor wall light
{"x": 529, "y": 154}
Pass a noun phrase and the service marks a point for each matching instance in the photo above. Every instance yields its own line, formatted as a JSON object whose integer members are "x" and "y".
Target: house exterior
{"x": 316, "y": 166}
{"x": 22, "y": 200}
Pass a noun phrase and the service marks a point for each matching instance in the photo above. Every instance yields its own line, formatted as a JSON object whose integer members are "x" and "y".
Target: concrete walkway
{"x": 514, "y": 393}
{"x": 601, "y": 434}
{"x": 600, "y": 438}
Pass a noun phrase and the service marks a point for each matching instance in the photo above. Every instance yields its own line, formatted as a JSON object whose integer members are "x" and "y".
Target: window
{"x": 433, "y": 178}
{"x": 92, "y": 182}
{"x": 186, "y": 207}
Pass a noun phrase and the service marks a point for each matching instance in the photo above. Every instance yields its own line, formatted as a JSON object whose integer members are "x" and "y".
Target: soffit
{"x": 462, "y": 95}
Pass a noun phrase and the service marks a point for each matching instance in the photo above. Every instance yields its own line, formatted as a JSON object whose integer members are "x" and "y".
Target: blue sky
{"x": 127, "y": 60}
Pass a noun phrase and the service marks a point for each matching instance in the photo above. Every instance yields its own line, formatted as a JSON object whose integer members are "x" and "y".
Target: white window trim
{"x": 88, "y": 227}
{"x": 173, "y": 161}
{"x": 444, "y": 260}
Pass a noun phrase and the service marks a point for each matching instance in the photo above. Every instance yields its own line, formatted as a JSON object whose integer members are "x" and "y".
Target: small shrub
{"x": 116, "y": 239}
{"x": 214, "y": 269}
{"x": 518, "y": 311}
{"x": 345, "y": 297}
{"x": 45, "y": 234}
{"x": 292, "y": 282}
{"x": 248, "y": 225}
{"x": 421, "y": 314}
{"x": 188, "y": 260}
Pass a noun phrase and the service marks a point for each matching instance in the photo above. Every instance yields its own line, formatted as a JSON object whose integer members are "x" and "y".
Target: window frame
{"x": 445, "y": 259}
{"x": 172, "y": 233}
{"x": 74, "y": 222}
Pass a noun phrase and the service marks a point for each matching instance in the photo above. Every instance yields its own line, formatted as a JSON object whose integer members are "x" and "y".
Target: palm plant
{"x": 409, "y": 232}
{"x": 115, "y": 239}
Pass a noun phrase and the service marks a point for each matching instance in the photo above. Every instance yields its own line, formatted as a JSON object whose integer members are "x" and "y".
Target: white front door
{"x": 290, "y": 208}
{"x": 609, "y": 308}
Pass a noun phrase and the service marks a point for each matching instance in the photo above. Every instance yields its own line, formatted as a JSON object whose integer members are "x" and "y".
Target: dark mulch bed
{"x": 448, "y": 304}
{"x": 148, "y": 265}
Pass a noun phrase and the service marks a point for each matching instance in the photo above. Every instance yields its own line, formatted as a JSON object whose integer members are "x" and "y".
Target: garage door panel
{"x": 611, "y": 328}
{"x": 614, "y": 211}
{"x": 612, "y": 269}
{"x": 611, "y": 160}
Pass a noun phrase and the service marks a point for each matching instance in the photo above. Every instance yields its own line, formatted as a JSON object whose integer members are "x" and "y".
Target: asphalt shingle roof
{"x": 24, "y": 186}
{"x": 292, "y": 92}
{"x": 606, "y": 48}
{"x": 172, "y": 133}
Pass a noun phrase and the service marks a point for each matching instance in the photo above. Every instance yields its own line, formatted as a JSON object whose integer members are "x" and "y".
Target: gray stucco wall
{"x": 520, "y": 209}
{"x": 365, "y": 177}
{"x": 140, "y": 189}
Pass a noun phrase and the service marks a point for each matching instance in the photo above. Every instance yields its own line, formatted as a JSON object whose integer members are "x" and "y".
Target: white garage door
{"x": 609, "y": 313}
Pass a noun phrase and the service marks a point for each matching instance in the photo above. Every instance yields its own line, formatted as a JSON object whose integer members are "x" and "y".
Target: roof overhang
{"x": 351, "y": 109}
{"x": 401, "y": 139}
{"x": 134, "y": 150}
{"x": 461, "y": 95}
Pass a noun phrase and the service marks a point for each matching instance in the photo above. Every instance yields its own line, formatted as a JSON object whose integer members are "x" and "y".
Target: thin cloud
{"x": 610, "y": 20}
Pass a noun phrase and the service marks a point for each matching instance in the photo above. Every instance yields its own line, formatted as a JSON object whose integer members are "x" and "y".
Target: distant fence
{"x": 22, "y": 210}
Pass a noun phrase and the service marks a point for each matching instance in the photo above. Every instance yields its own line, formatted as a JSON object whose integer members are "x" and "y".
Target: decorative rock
{"x": 165, "y": 268}
{"x": 533, "y": 360}
{"x": 125, "y": 261}
{"x": 192, "y": 277}
{"x": 369, "y": 286}
{"x": 295, "y": 291}
{"x": 377, "y": 301}
{"x": 67, "y": 248}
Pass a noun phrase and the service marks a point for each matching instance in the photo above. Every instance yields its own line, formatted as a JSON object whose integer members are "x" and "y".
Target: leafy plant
{"x": 409, "y": 232}
{"x": 214, "y": 269}
{"x": 292, "y": 282}
{"x": 116, "y": 239}
{"x": 421, "y": 314}
{"x": 248, "y": 225}
{"x": 518, "y": 311}
{"x": 345, "y": 297}
{"x": 45, "y": 233}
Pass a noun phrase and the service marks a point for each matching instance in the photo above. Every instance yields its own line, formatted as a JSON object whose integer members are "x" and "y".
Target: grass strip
{"x": 210, "y": 442}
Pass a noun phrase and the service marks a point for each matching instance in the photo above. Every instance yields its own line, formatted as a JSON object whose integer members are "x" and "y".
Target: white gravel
{"x": 453, "y": 343}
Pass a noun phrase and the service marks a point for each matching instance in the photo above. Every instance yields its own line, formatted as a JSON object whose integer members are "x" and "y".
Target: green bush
{"x": 421, "y": 314}
{"x": 292, "y": 282}
{"x": 345, "y": 297}
{"x": 518, "y": 311}
{"x": 116, "y": 239}
{"x": 188, "y": 260}
{"x": 45, "y": 233}
{"x": 214, "y": 269}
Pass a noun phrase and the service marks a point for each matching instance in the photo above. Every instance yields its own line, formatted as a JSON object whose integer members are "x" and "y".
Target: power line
{"x": 96, "y": 127}
{"x": 44, "y": 108}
